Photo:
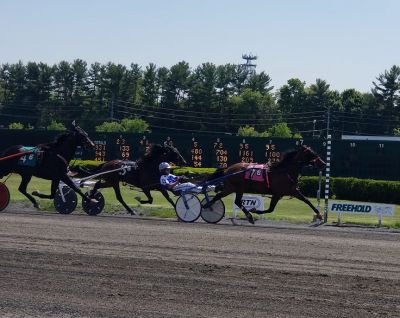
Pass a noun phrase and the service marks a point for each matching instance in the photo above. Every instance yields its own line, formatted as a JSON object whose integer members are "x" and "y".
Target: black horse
{"x": 47, "y": 161}
{"x": 143, "y": 173}
{"x": 278, "y": 179}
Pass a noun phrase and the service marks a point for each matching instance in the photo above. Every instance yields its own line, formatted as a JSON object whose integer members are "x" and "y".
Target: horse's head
{"x": 306, "y": 156}
{"x": 171, "y": 154}
{"x": 82, "y": 138}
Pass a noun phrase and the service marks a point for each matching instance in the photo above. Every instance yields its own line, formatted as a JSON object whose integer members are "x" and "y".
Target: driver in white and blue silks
{"x": 172, "y": 182}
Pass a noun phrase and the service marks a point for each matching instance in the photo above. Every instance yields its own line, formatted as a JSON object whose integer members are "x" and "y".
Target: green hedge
{"x": 340, "y": 188}
{"x": 354, "y": 189}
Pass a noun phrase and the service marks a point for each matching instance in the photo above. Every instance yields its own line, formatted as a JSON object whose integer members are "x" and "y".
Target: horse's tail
{"x": 9, "y": 159}
{"x": 220, "y": 172}
{"x": 4, "y": 169}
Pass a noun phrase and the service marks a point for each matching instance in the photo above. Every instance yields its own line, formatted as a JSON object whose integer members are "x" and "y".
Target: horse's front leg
{"x": 238, "y": 202}
{"x": 301, "y": 197}
{"x": 54, "y": 187}
{"x": 274, "y": 200}
{"x": 74, "y": 187}
{"x": 148, "y": 195}
{"x": 166, "y": 195}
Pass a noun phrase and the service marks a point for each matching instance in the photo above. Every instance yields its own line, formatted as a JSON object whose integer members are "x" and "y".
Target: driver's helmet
{"x": 164, "y": 165}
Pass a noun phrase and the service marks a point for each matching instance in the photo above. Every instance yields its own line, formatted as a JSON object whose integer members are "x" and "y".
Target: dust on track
{"x": 55, "y": 265}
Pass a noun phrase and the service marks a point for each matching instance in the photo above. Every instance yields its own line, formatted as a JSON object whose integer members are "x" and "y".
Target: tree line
{"x": 209, "y": 98}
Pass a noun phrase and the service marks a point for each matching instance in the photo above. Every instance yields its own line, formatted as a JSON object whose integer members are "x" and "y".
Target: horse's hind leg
{"x": 166, "y": 195}
{"x": 217, "y": 197}
{"x": 22, "y": 188}
{"x": 238, "y": 202}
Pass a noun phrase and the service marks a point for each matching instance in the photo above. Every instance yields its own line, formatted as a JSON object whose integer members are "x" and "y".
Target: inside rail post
{"x": 327, "y": 175}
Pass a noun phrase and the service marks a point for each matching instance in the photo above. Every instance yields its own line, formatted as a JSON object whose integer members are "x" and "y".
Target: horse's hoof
{"x": 250, "y": 218}
{"x": 317, "y": 217}
{"x": 36, "y": 193}
{"x": 137, "y": 199}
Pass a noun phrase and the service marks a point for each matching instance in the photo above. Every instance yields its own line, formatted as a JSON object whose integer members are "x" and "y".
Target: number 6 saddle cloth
{"x": 32, "y": 158}
{"x": 257, "y": 173}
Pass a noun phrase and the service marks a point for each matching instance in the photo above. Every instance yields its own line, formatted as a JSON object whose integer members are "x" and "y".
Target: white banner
{"x": 366, "y": 208}
{"x": 250, "y": 202}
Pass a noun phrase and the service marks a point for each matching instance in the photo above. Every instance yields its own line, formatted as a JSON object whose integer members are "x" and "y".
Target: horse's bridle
{"x": 309, "y": 162}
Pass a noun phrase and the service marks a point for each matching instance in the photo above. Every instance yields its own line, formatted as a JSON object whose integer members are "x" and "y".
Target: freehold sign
{"x": 367, "y": 208}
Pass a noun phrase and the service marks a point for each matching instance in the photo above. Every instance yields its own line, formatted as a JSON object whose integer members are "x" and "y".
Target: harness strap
{"x": 291, "y": 178}
{"x": 63, "y": 159}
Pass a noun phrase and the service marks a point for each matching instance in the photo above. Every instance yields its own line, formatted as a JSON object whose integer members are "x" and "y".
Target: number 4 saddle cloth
{"x": 32, "y": 158}
{"x": 257, "y": 173}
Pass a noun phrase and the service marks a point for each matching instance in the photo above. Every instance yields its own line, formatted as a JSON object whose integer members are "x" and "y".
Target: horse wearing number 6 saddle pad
{"x": 258, "y": 173}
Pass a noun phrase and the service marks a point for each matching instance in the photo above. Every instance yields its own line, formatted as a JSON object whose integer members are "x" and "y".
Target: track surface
{"x": 116, "y": 266}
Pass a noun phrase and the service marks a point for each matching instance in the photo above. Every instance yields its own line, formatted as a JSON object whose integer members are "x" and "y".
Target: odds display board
{"x": 198, "y": 151}
{"x": 372, "y": 159}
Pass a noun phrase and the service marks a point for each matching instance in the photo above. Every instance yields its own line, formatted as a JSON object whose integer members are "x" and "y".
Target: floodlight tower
{"x": 249, "y": 66}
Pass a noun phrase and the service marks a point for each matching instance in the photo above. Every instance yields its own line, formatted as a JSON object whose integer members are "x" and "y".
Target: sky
{"x": 347, "y": 43}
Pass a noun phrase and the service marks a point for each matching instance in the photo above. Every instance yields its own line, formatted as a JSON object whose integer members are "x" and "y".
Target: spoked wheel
{"x": 4, "y": 196}
{"x": 66, "y": 202}
{"x": 188, "y": 207}
{"x": 214, "y": 213}
{"x": 93, "y": 208}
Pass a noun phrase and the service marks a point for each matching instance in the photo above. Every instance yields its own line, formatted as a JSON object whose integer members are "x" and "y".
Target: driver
{"x": 172, "y": 182}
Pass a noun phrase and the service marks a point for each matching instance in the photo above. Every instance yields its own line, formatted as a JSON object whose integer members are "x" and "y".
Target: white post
{"x": 327, "y": 175}
{"x": 319, "y": 192}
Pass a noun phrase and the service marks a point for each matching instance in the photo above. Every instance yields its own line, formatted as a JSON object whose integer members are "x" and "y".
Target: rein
{"x": 16, "y": 155}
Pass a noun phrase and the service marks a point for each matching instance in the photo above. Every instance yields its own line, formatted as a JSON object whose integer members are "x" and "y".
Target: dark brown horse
{"x": 279, "y": 179}
{"x": 143, "y": 173}
{"x": 47, "y": 161}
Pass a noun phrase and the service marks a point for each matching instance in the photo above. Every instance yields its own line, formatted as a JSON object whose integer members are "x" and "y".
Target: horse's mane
{"x": 285, "y": 159}
{"x": 57, "y": 141}
{"x": 152, "y": 152}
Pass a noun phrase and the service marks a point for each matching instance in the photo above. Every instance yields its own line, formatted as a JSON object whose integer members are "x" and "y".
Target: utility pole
{"x": 112, "y": 108}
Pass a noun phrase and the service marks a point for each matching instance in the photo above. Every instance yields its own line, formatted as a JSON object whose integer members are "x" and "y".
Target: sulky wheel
{"x": 66, "y": 202}
{"x": 93, "y": 208}
{"x": 4, "y": 196}
{"x": 188, "y": 207}
{"x": 214, "y": 213}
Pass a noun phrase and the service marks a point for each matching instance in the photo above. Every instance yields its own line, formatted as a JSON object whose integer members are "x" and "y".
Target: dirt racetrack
{"x": 118, "y": 266}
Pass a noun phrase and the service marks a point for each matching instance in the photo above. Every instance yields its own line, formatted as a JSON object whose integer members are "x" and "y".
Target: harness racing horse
{"x": 47, "y": 161}
{"x": 278, "y": 179}
{"x": 143, "y": 173}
